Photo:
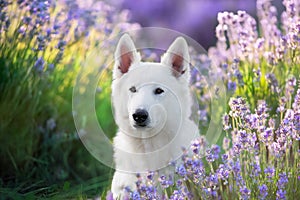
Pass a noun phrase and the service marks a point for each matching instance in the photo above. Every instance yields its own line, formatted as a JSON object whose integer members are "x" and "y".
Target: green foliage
{"x": 41, "y": 53}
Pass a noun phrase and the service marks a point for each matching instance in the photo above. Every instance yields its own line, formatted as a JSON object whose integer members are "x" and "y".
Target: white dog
{"x": 152, "y": 105}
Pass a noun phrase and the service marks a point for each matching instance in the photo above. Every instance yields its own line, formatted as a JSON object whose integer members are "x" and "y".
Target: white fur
{"x": 169, "y": 127}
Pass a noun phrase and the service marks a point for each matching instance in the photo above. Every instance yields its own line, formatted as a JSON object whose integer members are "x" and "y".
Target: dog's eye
{"x": 158, "y": 91}
{"x": 132, "y": 89}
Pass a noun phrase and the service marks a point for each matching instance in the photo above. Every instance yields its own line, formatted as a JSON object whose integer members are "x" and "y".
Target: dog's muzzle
{"x": 140, "y": 117}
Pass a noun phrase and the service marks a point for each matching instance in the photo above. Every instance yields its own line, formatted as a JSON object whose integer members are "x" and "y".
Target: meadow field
{"x": 45, "y": 45}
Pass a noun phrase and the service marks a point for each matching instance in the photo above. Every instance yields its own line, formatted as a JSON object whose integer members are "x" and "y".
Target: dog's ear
{"x": 177, "y": 57}
{"x": 125, "y": 56}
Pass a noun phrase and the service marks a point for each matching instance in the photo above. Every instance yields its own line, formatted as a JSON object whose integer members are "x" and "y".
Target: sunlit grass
{"x": 43, "y": 47}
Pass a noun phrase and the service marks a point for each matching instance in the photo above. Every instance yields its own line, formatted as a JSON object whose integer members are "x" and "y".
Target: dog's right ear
{"x": 125, "y": 56}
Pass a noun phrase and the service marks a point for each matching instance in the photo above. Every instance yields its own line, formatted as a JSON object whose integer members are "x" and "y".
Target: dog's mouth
{"x": 144, "y": 125}
{"x": 141, "y": 125}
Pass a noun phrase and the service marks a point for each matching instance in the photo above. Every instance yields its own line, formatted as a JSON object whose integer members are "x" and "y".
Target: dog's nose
{"x": 140, "y": 116}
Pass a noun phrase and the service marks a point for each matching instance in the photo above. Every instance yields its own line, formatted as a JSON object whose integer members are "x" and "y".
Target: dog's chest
{"x": 155, "y": 143}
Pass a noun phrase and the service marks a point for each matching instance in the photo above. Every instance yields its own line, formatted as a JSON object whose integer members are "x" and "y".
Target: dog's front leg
{"x": 120, "y": 181}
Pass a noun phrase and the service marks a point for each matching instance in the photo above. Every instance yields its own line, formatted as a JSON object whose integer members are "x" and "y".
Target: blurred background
{"x": 195, "y": 18}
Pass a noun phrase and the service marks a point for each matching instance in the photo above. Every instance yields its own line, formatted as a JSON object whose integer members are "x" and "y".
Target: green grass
{"x": 37, "y": 160}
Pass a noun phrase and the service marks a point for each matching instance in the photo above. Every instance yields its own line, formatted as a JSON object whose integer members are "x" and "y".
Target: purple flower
{"x": 226, "y": 125}
{"x": 181, "y": 170}
{"x": 296, "y": 104}
{"x": 238, "y": 107}
{"x": 213, "y": 180}
{"x": 179, "y": 183}
{"x": 231, "y": 85}
{"x": 269, "y": 172}
{"x": 261, "y": 110}
{"x": 195, "y": 146}
{"x": 267, "y": 136}
{"x": 237, "y": 147}
{"x": 202, "y": 115}
{"x": 290, "y": 87}
{"x": 209, "y": 155}
{"x": 255, "y": 170}
{"x": 41, "y": 42}
{"x": 245, "y": 193}
{"x": 135, "y": 196}
{"x": 150, "y": 176}
{"x": 280, "y": 194}
{"x": 177, "y": 195}
{"x": 61, "y": 45}
{"x": 225, "y": 158}
{"x": 226, "y": 143}
{"x": 39, "y": 65}
{"x": 198, "y": 145}
{"x": 263, "y": 191}
{"x": 164, "y": 182}
{"x": 109, "y": 196}
{"x": 51, "y": 67}
{"x": 282, "y": 181}
{"x": 210, "y": 192}
{"x": 243, "y": 137}
{"x": 273, "y": 82}
{"x": 236, "y": 167}
{"x": 215, "y": 151}
{"x": 223, "y": 172}
{"x": 150, "y": 192}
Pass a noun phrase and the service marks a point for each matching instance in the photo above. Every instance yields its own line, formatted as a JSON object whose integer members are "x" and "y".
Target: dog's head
{"x": 150, "y": 96}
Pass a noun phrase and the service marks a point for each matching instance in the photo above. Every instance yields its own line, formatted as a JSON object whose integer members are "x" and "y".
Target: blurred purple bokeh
{"x": 195, "y": 18}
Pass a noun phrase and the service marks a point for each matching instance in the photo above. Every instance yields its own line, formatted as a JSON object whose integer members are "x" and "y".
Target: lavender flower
{"x": 296, "y": 104}
{"x": 210, "y": 192}
{"x": 177, "y": 195}
{"x": 226, "y": 143}
{"x": 239, "y": 107}
{"x": 269, "y": 172}
{"x": 282, "y": 181}
{"x": 243, "y": 138}
{"x": 255, "y": 170}
{"x": 273, "y": 82}
{"x": 198, "y": 145}
{"x": 280, "y": 194}
{"x": 209, "y": 155}
{"x": 150, "y": 176}
{"x": 223, "y": 172}
{"x": 109, "y": 196}
{"x": 289, "y": 87}
{"x": 225, "y": 158}
{"x": 236, "y": 167}
{"x": 263, "y": 191}
{"x": 135, "y": 196}
{"x": 61, "y": 45}
{"x": 231, "y": 85}
{"x": 164, "y": 182}
{"x": 39, "y": 65}
{"x": 282, "y": 103}
{"x": 212, "y": 180}
{"x": 245, "y": 193}
{"x": 181, "y": 170}
{"x": 226, "y": 125}
{"x": 216, "y": 151}
{"x": 267, "y": 136}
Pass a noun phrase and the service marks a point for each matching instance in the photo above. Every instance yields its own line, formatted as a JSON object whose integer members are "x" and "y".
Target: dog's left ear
{"x": 125, "y": 56}
{"x": 177, "y": 57}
